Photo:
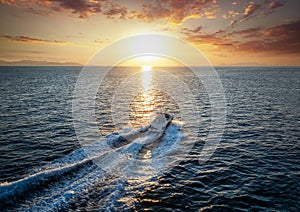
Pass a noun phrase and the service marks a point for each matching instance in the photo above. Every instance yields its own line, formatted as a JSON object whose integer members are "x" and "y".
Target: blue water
{"x": 256, "y": 165}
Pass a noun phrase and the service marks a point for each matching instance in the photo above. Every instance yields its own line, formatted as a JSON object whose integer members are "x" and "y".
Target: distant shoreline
{"x": 157, "y": 67}
{"x": 33, "y": 63}
{"x": 37, "y": 63}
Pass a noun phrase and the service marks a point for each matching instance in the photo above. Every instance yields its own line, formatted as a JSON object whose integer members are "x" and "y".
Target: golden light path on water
{"x": 147, "y": 78}
{"x": 144, "y": 105}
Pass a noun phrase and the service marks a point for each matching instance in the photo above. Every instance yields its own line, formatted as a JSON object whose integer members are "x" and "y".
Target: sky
{"x": 239, "y": 32}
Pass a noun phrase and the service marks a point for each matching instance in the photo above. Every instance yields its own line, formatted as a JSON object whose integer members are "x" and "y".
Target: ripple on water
{"x": 256, "y": 165}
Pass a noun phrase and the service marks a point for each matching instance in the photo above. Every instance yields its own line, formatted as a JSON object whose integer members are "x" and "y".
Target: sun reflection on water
{"x": 143, "y": 105}
{"x": 146, "y": 78}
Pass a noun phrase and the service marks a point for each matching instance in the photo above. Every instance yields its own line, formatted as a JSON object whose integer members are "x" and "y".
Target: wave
{"x": 14, "y": 190}
{"x": 66, "y": 178}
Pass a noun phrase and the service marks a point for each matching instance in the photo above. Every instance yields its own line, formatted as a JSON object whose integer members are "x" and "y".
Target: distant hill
{"x": 245, "y": 64}
{"x": 36, "y": 63}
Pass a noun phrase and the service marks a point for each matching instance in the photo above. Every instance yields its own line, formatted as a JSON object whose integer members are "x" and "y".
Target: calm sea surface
{"x": 256, "y": 165}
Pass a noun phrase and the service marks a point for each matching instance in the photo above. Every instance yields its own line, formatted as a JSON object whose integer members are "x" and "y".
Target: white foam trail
{"x": 119, "y": 160}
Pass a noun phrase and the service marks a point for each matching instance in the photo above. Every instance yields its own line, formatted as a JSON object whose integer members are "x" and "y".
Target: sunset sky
{"x": 242, "y": 32}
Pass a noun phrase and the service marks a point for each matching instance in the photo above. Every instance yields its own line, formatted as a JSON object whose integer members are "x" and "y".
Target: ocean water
{"x": 256, "y": 165}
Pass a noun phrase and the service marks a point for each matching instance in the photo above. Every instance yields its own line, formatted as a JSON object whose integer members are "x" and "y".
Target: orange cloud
{"x": 250, "y": 9}
{"x": 191, "y": 31}
{"x": 26, "y": 39}
{"x": 83, "y": 8}
{"x": 117, "y": 11}
{"x": 175, "y": 11}
{"x": 150, "y": 12}
{"x": 232, "y": 23}
{"x": 278, "y": 39}
{"x": 246, "y": 33}
{"x": 24, "y": 2}
{"x": 197, "y": 37}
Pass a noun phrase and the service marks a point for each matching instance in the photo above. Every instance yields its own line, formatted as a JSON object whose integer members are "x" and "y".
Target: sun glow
{"x": 146, "y": 77}
{"x": 143, "y": 104}
{"x": 147, "y": 60}
{"x": 146, "y": 68}
{"x": 150, "y": 60}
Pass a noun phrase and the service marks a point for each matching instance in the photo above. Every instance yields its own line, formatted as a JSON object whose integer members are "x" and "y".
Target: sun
{"x": 147, "y": 60}
{"x": 146, "y": 68}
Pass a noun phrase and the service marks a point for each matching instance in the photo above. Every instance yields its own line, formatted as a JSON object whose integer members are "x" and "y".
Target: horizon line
{"x": 61, "y": 65}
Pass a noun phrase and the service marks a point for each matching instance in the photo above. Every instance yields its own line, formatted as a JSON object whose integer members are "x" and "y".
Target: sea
{"x": 46, "y": 166}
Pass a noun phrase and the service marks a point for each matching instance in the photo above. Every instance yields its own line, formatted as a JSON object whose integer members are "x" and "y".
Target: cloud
{"x": 230, "y": 14}
{"x": 210, "y": 14}
{"x": 41, "y": 12}
{"x": 117, "y": 11}
{"x": 26, "y": 39}
{"x": 250, "y": 9}
{"x": 246, "y": 33}
{"x": 151, "y": 12}
{"x": 189, "y": 31}
{"x": 285, "y": 36}
{"x": 275, "y": 4}
{"x": 26, "y": 2}
{"x": 99, "y": 41}
{"x": 84, "y": 8}
{"x": 197, "y": 37}
{"x": 174, "y": 11}
{"x": 272, "y": 6}
{"x": 280, "y": 39}
{"x": 183, "y": 10}
{"x": 233, "y": 22}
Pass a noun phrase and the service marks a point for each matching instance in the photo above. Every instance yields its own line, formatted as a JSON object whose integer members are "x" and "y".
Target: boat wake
{"x": 134, "y": 154}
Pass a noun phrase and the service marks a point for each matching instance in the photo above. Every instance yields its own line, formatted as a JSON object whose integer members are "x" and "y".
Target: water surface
{"x": 256, "y": 166}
